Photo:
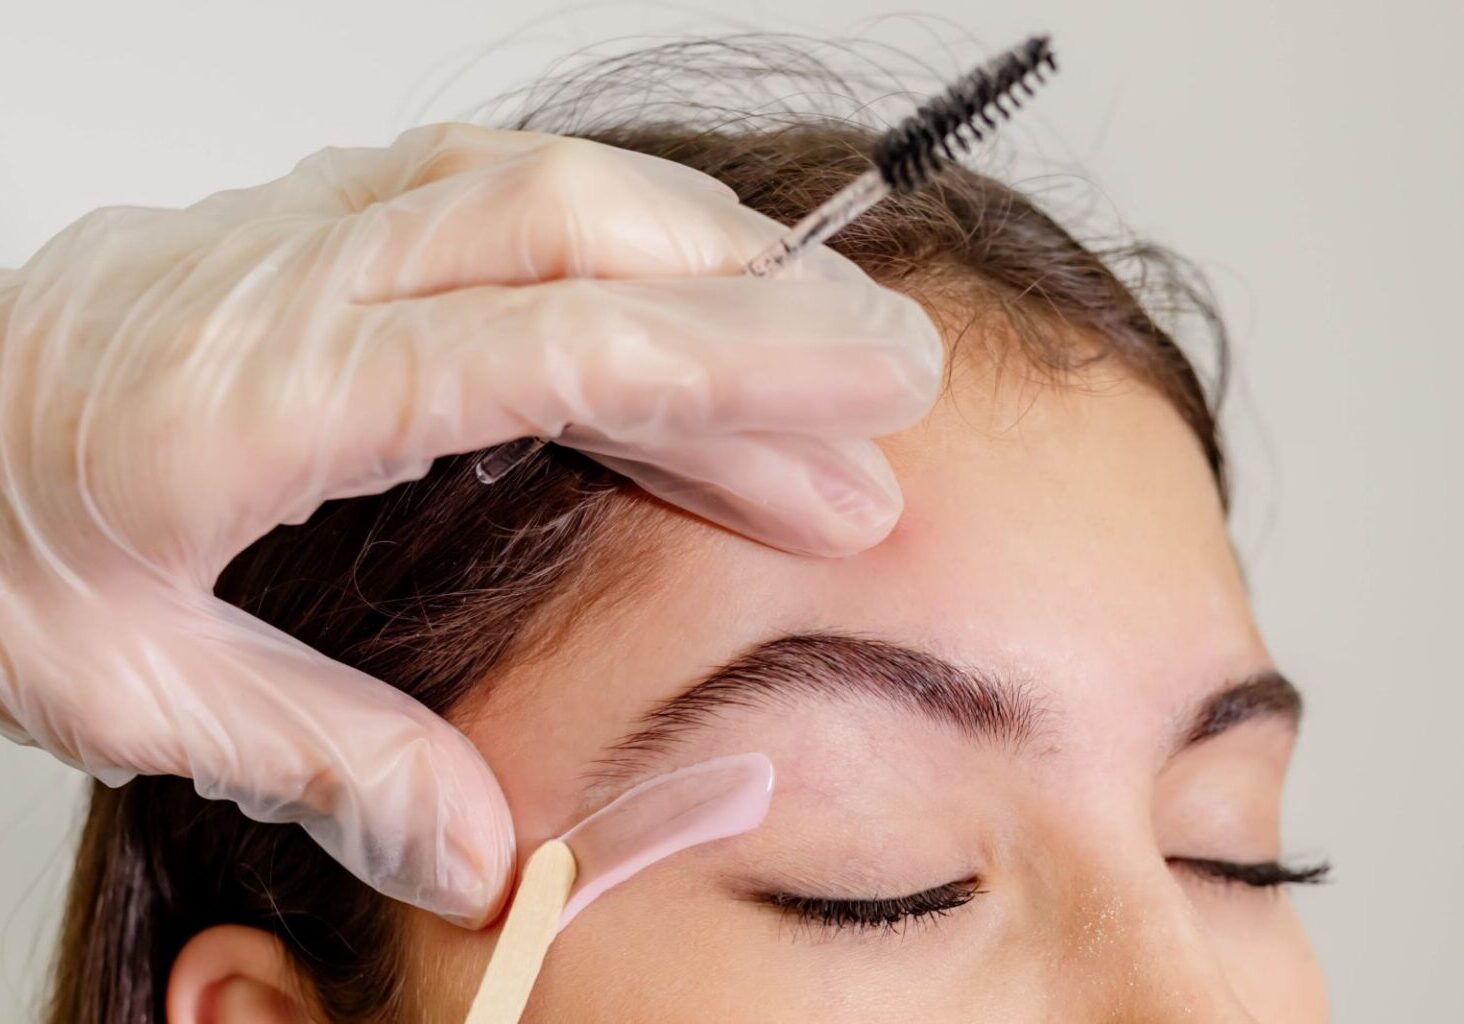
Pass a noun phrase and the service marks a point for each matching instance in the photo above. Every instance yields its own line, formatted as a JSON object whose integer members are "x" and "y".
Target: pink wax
{"x": 714, "y": 799}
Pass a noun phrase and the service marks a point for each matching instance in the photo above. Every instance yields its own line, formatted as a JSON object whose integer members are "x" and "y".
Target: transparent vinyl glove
{"x": 176, "y": 382}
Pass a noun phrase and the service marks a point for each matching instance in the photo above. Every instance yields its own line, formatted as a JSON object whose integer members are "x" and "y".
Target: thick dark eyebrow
{"x": 977, "y": 703}
{"x": 1265, "y": 694}
{"x": 800, "y": 666}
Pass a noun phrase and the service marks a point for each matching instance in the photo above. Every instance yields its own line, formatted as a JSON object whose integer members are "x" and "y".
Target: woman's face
{"x": 1039, "y": 704}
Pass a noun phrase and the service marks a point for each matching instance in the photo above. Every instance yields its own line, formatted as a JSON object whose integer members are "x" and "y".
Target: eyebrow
{"x": 983, "y": 706}
{"x": 1266, "y": 694}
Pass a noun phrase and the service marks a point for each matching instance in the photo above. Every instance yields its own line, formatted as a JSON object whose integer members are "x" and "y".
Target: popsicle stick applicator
{"x": 714, "y": 799}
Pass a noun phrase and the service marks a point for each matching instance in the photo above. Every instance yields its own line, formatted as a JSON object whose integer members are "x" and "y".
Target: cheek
{"x": 667, "y": 956}
{"x": 1268, "y": 960}
{"x": 646, "y": 966}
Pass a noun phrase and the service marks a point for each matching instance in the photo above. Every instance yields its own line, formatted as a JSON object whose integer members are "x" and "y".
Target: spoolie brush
{"x": 905, "y": 159}
{"x": 908, "y": 156}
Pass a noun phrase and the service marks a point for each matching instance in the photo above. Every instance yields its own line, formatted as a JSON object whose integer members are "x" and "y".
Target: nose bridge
{"x": 1135, "y": 952}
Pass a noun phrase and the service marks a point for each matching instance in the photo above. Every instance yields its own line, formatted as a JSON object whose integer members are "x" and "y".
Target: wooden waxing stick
{"x": 524, "y": 941}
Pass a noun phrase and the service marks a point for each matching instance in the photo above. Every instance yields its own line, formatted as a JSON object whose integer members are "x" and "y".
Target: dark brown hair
{"x": 433, "y": 585}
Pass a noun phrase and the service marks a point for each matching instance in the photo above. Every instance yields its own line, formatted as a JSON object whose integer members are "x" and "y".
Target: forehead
{"x": 1068, "y": 535}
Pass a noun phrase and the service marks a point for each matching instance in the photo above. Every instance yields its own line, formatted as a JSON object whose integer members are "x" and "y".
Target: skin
{"x": 1068, "y": 537}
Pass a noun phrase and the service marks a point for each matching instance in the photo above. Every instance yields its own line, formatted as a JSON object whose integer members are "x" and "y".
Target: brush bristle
{"x": 909, "y": 154}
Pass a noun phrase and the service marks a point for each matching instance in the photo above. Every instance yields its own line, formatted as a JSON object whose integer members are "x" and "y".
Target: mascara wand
{"x": 906, "y": 158}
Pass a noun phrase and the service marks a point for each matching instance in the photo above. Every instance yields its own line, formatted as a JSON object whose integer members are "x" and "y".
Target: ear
{"x": 230, "y": 974}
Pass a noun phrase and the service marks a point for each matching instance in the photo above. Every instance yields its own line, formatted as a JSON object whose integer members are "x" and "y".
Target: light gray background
{"x": 1307, "y": 154}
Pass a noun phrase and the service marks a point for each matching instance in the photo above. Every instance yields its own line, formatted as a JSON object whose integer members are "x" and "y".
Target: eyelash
{"x": 894, "y": 914}
{"x": 891, "y": 915}
{"x": 1267, "y": 874}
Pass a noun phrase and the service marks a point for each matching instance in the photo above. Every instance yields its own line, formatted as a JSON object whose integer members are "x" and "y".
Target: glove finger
{"x": 807, "y": 495}
{"x": 345, "y": 179}
{"x": 431, "y": 152}
{"x": 638, "y": 361}
{"x": 397, "y": 795}
{"x": 567, "y": 208}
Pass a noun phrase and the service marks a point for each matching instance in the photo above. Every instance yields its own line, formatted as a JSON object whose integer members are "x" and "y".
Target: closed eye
{"x": 894, "y": 914}
{"x": 1266, "y": 874}
{"x": 889, "y": 914}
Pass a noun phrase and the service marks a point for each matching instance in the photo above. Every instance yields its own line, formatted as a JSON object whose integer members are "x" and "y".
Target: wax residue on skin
{"x": 713, "y": 799}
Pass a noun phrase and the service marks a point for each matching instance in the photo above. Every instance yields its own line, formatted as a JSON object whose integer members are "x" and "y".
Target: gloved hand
{"x": 174, "y": 383}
